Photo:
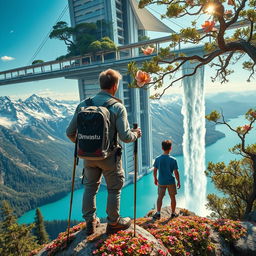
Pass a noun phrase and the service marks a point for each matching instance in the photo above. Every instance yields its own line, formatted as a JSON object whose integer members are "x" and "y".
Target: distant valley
{"x": 36, "y": 157}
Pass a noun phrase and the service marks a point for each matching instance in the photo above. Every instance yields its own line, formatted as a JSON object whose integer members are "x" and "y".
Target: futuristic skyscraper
{"x": 125, "y": 23}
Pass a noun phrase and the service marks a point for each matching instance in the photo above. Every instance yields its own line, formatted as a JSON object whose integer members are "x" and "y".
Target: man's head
{"x": 109, "y": 80}
{"x": 166, "y": 145}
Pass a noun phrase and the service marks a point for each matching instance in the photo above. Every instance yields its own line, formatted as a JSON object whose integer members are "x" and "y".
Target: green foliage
{"x": 61, "y": 31}
{"x": 223, "y": 48}
{"x": 39, "y": 230}
{"x": 213, "y": 116}
{"x": 49, "y": 164}
{"x": 37, "y": 62}
{"x": 209, "y": 47}
{"x": 15, "y": 239}
{"x": 143, "y": 38}
{"x": 190, "y": 34}
{"x": 89, "y": 37}
{"x": 95, "y": 46}
{"x": 174, "y": 10}
{"x": 235, "y": 181}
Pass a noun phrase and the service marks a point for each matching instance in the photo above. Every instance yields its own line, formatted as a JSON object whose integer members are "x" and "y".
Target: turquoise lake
{"x": 146, "y": 190}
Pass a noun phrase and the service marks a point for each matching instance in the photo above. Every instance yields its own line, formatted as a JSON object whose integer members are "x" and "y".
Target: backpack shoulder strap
{"x": 89, "y": 102}
{"x": 109, "y": 103}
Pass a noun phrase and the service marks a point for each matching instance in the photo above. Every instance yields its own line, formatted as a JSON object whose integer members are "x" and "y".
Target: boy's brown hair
{"x": 108, "y": 78}
{"x": 166, "y": 145}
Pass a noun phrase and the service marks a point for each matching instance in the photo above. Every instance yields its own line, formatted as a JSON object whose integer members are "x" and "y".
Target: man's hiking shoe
{"x": 122, "y": 224}
{"x": 91, "y": 226}
{"x": 174, "y": 215}
{"x": 156, "y": 216}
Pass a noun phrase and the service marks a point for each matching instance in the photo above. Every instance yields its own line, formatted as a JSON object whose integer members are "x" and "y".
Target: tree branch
{"x": 186, "y": 75}
{"x": 235, "y": 18}
{"x": 251, "y": 31}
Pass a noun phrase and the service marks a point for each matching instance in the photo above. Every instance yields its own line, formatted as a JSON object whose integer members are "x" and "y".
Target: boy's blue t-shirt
{"x": 165, "y": 164}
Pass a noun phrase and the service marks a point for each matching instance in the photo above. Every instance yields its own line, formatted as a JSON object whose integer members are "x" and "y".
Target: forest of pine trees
{"x": 21, "y": 239}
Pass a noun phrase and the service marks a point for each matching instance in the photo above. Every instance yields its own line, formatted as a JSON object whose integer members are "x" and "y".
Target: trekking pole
{"x": 72, "y": 189}
{"x": 135, "y": 151}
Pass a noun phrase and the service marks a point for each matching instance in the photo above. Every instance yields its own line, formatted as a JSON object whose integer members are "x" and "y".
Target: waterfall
{"x": 193, "y": 110}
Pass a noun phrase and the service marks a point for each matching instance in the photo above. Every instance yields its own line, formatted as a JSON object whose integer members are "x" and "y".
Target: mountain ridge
{"x": 34, "y": 149}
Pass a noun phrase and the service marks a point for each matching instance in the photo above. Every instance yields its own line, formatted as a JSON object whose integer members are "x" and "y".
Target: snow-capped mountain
{"x": 19, "y": 114}
{"x": 36, "y": 157}
{"x": 27, "y": 116}
{"x": 34, "y": 151}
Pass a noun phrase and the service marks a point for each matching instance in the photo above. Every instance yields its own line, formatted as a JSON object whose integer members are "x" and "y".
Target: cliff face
{"x": 185, "y": 235}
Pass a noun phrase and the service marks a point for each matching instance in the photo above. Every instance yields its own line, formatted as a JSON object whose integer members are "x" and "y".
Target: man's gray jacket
{"x": 118, "y": 117}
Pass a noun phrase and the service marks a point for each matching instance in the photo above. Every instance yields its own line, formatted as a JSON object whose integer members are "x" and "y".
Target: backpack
{"x": 93, "y": 124}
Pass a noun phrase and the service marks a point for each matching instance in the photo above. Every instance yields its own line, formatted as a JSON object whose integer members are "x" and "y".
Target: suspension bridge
{"x": 89, "y": 65}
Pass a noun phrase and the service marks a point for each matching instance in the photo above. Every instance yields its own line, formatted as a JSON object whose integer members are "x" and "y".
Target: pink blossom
{"x": 208, "y": 26}
{"x": 142, "y": 78}
{"x": 246, "y": 128}
{"x": 149, "y": 50}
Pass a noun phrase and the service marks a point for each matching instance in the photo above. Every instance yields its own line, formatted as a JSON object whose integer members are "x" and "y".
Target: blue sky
{"x": 25, "y": 24}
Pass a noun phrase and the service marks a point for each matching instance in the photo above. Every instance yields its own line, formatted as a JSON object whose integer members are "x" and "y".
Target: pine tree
{"x": 15, "y": 239}
{"x": 40, "y": 231}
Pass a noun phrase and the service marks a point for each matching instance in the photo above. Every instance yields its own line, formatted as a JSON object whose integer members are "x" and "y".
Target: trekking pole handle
{"x": 135, "y": 126}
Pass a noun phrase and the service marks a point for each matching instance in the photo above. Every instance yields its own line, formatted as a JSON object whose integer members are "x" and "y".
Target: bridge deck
{"x": 90, "y": 65}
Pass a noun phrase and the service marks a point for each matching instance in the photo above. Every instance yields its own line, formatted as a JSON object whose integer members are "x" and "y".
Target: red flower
{"x": 149, "y": 50}
{"x": 246, "y": 127}
{"x": 208, "y": 26}
{"x": 142, "y": 78}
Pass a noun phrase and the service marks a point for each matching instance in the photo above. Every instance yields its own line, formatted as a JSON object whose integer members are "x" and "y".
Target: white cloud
{"x": 7, "y": 58}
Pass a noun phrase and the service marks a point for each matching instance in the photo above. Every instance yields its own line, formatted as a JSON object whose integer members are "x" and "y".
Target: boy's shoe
{"x": 156, "y": 216}
{"x": 122, "y": 224}
{"x": 91, "y": 226}
{"x": 174, "y": 215}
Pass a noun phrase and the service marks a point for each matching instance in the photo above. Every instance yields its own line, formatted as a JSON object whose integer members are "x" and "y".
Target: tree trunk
{"x": 249, "y": 49}
{"x": 252, "y": 196}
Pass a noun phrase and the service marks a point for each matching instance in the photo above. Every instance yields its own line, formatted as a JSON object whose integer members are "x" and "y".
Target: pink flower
{"x": 142, "y": 78}
{"x": 246, "y": 128}
{"x": 149, "y": 50}
{"x": 208, "y": 26}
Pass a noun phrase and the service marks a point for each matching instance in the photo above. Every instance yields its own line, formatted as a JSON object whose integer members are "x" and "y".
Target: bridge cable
{"x": 165, "y": 18}
{"x": 47, "y": 36}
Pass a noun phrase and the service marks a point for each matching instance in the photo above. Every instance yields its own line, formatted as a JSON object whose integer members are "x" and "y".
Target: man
{"x": 110, "y": 167}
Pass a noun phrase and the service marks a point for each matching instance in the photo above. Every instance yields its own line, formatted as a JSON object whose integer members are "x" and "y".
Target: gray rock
{"x": 251, "y": 216}
{"x": 84, "y": 245}
{"x": 246, "y": 246}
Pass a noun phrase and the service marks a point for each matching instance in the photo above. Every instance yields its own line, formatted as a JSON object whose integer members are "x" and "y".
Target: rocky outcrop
{"x": 187, "y": 234}
{"x": 82, "y": 244}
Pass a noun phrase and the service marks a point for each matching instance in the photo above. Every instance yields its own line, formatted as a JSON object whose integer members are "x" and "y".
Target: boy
{"x": 166, "y": 165}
